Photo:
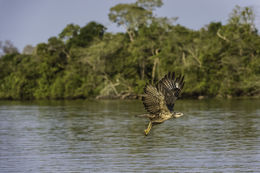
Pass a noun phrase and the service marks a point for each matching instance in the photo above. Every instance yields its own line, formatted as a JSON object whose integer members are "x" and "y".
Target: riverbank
{"x": 131, "y": 96}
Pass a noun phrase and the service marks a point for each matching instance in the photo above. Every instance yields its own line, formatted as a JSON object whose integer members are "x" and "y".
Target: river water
{"x": 105, "y": 136}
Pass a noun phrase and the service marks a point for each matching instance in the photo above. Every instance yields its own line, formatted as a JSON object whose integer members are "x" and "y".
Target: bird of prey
{"x": 159, "y": 99}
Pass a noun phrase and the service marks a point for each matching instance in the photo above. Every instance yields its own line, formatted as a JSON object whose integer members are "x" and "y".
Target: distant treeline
{"x": 88, "y": 62}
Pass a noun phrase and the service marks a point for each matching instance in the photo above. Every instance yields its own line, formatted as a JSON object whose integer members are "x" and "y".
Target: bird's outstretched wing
{"x": 170, "y": 87}
{"x": 154, "y": 100}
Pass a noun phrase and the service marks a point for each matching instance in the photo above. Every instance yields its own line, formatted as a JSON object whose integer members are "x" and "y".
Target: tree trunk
{"x": 131, "y": 35}
{"x": 142, "y": 69}
{"x": 155, "y": 64}
{"x": 184, "y": 59}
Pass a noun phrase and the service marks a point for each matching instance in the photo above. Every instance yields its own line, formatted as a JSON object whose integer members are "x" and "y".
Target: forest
{"x": 218, "y": 60}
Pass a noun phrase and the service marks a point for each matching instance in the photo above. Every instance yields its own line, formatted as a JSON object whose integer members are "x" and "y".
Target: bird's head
{"x": 177, "y": 114}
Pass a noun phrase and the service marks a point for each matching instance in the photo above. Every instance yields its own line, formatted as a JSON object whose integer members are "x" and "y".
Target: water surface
{"x": 105, "y": 136}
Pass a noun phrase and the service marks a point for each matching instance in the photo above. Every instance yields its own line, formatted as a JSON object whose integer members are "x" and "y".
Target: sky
{"x": 34, "y": 21}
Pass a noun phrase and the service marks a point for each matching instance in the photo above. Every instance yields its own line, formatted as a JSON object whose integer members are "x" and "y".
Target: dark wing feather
{"x": 153, "y": 100}
{"x": 171, "y": 88}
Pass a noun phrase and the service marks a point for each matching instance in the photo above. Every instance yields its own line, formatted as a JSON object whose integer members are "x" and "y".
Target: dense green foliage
{"x": 83, "y": 62}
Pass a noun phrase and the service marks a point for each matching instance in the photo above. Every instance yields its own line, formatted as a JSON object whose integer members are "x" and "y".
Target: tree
{"x": 85, "y": 35}
{"x": 130, "y": 16}
{"x": 7, "y": 48}
{"x": 149, "y": 4}
{"x": 242, "y": 16}
{"x": 69, "y": 32}
{"x": 219, "y": 60}
{"x": 28, "y": 50}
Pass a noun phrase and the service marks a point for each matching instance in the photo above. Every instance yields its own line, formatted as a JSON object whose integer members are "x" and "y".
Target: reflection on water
{"x": 105, "y": 136}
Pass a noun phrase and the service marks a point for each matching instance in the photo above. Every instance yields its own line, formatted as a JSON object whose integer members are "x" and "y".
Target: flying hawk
{"x": 159, "y": 99}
